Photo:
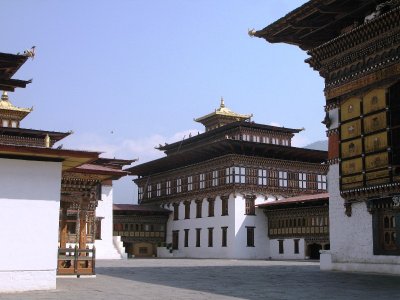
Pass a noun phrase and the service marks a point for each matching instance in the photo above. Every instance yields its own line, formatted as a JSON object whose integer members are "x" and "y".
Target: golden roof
{"x": 6, "y": 105}
{"x": 224, "y": 111}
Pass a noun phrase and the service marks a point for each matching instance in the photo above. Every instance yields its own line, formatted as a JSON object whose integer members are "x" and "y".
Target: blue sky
{"x": 126, "y": 76}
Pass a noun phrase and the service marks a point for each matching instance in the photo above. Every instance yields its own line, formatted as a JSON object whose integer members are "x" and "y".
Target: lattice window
{"x": 262, "y": 177}
{"x": 215, "y": 178}
{"x": 158, "y": 189}
{"x": 190, "y": 183}
{"x": 302, "y": 180}
{"x": 168, "y": 187}
{"x": 179, "y": 185}
{"x": 321, "y": 181}
{"x": 202, "y": 181}
{"x": 149, "y": 191}
{"x": 283, "y": 178}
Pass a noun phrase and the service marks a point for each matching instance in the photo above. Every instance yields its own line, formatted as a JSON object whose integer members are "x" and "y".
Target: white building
{"x": 354, "y": 46}
{"x": 213, "y": 181}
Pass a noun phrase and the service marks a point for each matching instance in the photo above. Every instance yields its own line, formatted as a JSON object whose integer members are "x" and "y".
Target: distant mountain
{"x": 319, "y": 145}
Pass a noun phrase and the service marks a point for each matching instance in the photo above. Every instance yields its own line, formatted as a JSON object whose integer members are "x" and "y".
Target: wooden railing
{"x": 75, "y": 261}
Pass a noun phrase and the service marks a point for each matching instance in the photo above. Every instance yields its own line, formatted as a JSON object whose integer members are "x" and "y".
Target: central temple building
{"x": 213, "y": 183}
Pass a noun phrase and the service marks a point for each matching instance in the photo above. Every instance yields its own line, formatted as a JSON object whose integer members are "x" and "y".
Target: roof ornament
{"x": 251, "y": 32}
{"x": 30, "y": 53}
{"x": 4, "y": 96}
{"x": 222, "y": 103}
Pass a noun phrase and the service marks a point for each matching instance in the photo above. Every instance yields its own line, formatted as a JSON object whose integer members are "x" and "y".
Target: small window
{"x": 224, "y": 236}
{"x": 179, "y": 185}
{"x": 140, "y": 193}
{"x": 280, "y": 246}
{"x": 198, "y": 208}
{"x": 175, "y": 239}
{"x": 186, "y": 244}
{"x": 149, "y": 191}
{"x": 296, "y": 246}
{"x": 210, "y": 237}
{"x": 224, "y": 203}
{"x": 321, "y": 179}
{"x": 198, "y": 231}
{"x": 250, "y": 236}
{"x": 211, "y": 202}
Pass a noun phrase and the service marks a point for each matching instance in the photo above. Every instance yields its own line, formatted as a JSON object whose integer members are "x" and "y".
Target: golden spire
{"x": 4, "y": 97}
{"x": 222, "y": 102}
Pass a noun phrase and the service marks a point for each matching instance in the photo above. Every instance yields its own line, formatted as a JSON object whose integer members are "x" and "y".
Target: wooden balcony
{"x": 76, "y": 262}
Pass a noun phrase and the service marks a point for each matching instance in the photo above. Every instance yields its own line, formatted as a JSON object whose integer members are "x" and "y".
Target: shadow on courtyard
{"x": 264, "y": 282}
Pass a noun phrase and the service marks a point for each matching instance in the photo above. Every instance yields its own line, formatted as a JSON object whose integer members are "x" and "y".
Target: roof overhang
{"x": 69, "y": 158}
{"x": 317, "y": 22}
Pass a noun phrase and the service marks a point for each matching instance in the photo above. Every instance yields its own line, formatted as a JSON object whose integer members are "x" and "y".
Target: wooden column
{"x": 82, "y": 230}
{"x": 63, "y": 228}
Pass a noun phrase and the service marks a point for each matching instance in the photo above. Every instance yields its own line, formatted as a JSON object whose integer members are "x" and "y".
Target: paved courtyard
{"x": 218, "y": 279}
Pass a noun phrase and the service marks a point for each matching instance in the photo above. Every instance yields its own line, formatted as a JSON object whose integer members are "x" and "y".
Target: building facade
{"x": 298, "y": 227}
{"x": 354, "y": 45}
{"x": 140, "y": 228}
{"x": 213, "y": 182}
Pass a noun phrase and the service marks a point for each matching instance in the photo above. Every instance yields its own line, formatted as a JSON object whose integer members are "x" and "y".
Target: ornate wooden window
{"x": 198, "y": 208}
{"x": 224, "y": 203}
{"x": 140, "y": 193}
{"x": 236, "y": 175}
{"x": 202, "y": 180}
{"x": 250, "y": 208}
{"x": 187, "y": 209}
{"x": 302, "y": 180}
{"x": 179, "y": 185}
{"x": 186, "y": 241}
{"x": 321, "y": 181}
{"x": 168, "y": 187}
{"x": 283, "y": 178}
{"x": 198, "y": 231}
{"x": 215, "y": 178}
{"x": 175, "y": 239}
{"x": 262, "y": 177}
{"x": 158, "y": 189}
{"x": 250, "y": 236}
{"x": 224, "y": 236}
{"x": 386, "y": 225}
{"x": 210, "y": 237}
{"x": 211, "y": 202}
{"x": 190, "y": 183}
{"x": 149, "y": 191}
{"x": 265, "y": 139}
{"x": 256, "y": 138}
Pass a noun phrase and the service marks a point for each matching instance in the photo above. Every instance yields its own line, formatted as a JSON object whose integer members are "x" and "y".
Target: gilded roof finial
{"x": 222, "y": 102}
{"x": 4, "y": 97}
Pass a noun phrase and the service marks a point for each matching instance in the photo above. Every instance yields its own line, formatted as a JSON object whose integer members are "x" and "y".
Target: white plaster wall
{"x": 261, "y": 242}
{"x": 236, "y": 221}
{"x": 105, "y": 248}
{"x": 29, "y": 217}
{"x": 288, "y": 249}
{"x": 352, "y": 237}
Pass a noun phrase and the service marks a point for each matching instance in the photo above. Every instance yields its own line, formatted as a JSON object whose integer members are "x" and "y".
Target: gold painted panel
{"x": 374, "y": 100}
{"x": 377, "y": 175}
{"x": 375, "y": 122}
{"x": 376, "y": 161}
{"x": 352, "y": 166}
{"x": 378, "y": 181}
{"x": 376, "y": 142}
{"x": 352, "y": 186}
{"x": 350, "y": 108}
{"x": 352, "y": 179}
{"x": 350, "y": 130}
{"x": 351, "y": 148}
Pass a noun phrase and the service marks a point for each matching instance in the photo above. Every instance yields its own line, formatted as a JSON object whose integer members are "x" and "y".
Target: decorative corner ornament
{"x": 251, "y": 32}
{"x": 327, "y": 121}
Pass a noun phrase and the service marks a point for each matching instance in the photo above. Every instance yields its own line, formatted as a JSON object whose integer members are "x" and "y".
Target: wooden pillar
{"x": 63, "y": 228}
{"x": 82, "y": 229}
